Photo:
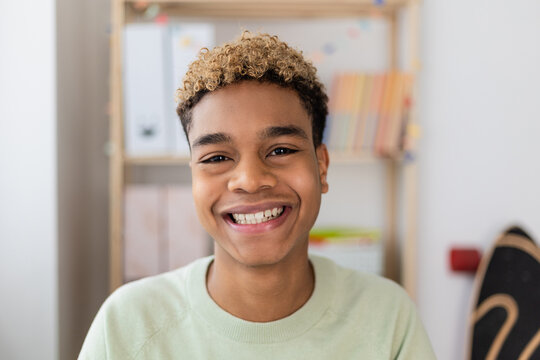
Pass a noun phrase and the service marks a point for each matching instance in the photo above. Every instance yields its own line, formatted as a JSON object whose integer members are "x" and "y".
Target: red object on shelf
{"x": 162, "y": 19}
{"x": 464, "y": 259}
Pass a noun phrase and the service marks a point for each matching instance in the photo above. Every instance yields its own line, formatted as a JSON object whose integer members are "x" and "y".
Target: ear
{"x": 323, "y": 161}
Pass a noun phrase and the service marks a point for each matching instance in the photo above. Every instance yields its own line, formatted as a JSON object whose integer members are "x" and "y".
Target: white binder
{"x": 146, "y": 64}
{"x": 156, "y": 57}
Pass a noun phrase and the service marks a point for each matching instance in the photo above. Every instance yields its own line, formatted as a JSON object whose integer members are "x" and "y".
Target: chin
{"x": 262, "y": 251}
{"x": 265, "y": 257}
{"x": 258, "y": 260}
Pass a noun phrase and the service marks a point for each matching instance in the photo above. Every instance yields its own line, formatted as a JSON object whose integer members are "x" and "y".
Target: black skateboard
{"x": 505, "y": 322}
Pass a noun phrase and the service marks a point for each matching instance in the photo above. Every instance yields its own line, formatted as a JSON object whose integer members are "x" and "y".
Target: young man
{"x": 254, "y": 113}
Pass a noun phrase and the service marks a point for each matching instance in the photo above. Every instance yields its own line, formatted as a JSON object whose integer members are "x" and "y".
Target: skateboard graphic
{"x": 505, "y": 322}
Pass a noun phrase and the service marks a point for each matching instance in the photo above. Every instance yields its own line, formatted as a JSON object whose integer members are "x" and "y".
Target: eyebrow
{"x": 269, "y": 132}
{"x": 212, "y": 139}
{"x": 276, "y": 131}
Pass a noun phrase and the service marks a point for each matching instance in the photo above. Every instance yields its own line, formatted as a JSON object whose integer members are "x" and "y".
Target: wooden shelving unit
{"x": 399, "y": 265}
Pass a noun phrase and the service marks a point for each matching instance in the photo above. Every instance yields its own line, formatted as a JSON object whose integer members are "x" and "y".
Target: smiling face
{"x": 257, "y": 177}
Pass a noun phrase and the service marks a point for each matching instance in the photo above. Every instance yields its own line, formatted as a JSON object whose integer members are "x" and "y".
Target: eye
{"x": 282, "y": 151}
{"x": 215, "y": 159}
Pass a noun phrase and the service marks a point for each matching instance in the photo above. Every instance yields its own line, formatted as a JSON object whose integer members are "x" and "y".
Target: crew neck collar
{"x": 280, "y": 330}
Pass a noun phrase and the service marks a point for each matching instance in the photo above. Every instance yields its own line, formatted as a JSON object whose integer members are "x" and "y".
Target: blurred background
{"x": 478, "y": 172}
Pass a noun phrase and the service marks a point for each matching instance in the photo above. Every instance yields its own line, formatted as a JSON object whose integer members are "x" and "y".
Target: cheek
{"x": 306, "y": 183}
{"x": 198, "y": 199}
{"x": 203, "y": 189}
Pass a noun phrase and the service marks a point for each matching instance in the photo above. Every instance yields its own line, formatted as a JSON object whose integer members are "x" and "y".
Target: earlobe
{"x": 323, "y": 161}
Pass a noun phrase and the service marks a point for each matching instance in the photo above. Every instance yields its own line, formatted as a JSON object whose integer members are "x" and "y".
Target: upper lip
{"x": 253, "y": 208}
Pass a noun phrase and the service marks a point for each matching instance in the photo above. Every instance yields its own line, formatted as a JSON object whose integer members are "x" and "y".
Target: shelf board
{"x": 273, "y": 8}
{"x": 353, "y": 158}
{"x": 156, "y": 160}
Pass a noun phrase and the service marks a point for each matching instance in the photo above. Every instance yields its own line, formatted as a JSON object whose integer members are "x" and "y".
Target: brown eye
{"x": 282, "y": 151}
{"x": 215, "y": 159}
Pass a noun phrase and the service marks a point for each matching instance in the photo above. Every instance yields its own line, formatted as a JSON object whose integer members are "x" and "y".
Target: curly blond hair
{"x": 259, "y": 57}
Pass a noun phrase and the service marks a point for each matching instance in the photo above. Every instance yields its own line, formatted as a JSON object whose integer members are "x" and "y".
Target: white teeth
{"x": 258, "y": 217}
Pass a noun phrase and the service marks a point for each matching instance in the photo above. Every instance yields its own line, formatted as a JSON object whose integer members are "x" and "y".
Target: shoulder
{"x": 352, "y": 285}
{"x": 365, "y": 290}
{"x": 381, "y": 311}
{"x": 372, "y": 298}
{"x": 367, "y": 286}
{"x": 167, "y": 292}
{"x": 138, "y": 310}
{"x": 150, "y": 291}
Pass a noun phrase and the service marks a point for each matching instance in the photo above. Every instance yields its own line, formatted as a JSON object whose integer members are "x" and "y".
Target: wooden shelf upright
{"x": 399, "y": 265}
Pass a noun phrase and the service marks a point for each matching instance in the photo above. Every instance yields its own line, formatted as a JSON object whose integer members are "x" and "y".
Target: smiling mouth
{"x": 258, "y": 217}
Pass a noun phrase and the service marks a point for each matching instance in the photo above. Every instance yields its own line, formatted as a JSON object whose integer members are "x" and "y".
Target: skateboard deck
{"x": 505, "y": 322}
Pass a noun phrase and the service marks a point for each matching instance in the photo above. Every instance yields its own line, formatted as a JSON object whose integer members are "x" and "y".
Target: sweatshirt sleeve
{"x": 95, "y": 343}
{"x": 108, "y": 336}
{"x": 410, "y": 338}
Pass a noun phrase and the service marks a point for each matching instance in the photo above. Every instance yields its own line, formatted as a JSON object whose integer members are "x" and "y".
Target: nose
{"x": 250, "y": 175}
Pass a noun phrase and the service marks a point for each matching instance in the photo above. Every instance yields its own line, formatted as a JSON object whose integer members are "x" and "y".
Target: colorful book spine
{"x": 369, "y": 112}
{"x": 379, "y": 81}
{"x": 384, "y": 115}
{"x": 344, "y": 112}
{"x": 391, "y": 141}
{"x": 356, "y": 248}
{"x": 344, "y": 235}
{"x": 360, "y": 129}
{"x": 356, "y": 108}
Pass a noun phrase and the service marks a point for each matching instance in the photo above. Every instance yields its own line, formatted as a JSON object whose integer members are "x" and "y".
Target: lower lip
{"x": 259, "y": 228}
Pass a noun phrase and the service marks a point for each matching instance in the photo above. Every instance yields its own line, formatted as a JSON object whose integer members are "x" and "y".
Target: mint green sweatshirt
{"x": 171, "y": 316}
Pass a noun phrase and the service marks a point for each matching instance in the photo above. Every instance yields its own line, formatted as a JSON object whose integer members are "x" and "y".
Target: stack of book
{"x": 356, "y": 248}
{"x": 368, "y": 113}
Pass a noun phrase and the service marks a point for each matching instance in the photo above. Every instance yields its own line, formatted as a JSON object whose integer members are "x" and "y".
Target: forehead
{"x": 243, "y": 110}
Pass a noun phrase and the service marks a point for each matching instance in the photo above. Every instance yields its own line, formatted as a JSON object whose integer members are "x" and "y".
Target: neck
{"x": 260, "y": 293}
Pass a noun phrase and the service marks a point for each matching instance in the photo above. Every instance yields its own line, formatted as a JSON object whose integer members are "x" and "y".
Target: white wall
{"x": 53, "y": 127}
{"x": 28, "y": 248}
{"x": 479, "y": 166}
